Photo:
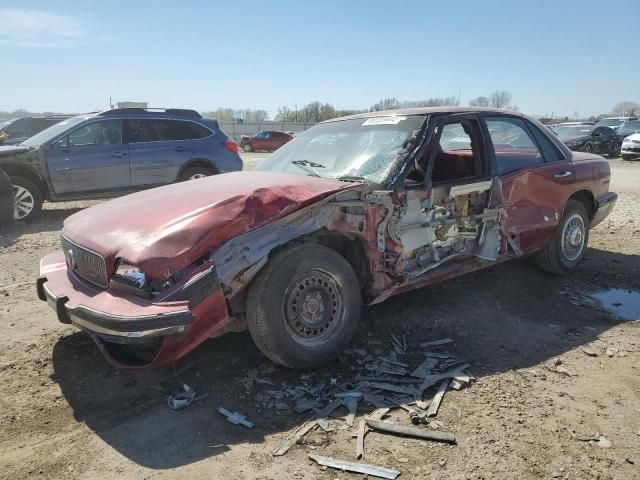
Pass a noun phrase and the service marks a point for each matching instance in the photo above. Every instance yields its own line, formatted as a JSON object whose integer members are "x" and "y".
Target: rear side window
{"x": 141, "y": 130}
{"x": 513, "y": 146}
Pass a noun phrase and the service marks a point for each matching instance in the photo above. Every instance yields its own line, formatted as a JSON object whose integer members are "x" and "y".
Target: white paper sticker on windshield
{"x": 384, "y": 120}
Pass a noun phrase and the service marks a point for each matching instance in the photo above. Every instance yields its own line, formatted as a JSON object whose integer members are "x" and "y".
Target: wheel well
{"x": 198, "y": 162}
{"x": 13, "y": 170}
{"x": 586, "y": 198}
{"x": 350, "y": 248}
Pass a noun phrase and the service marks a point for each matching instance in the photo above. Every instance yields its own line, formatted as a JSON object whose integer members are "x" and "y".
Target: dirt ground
{"x": 551, "y": 372}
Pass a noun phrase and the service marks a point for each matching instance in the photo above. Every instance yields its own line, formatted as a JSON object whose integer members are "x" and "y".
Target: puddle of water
{"x": 623, "y": 303}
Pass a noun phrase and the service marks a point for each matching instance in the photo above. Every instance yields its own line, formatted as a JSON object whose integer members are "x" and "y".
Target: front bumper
{"x": 632, "y": 150}
{"x": 175, "y": 327}
{"x": 604, "y": 206}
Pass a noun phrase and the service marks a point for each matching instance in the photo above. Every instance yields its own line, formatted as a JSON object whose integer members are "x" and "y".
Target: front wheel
{"x": 194, "y": 173}
{"x": 247, "y": 148}
{"x": 303, "y": 308}
{"x": 27, "y": 199}
{"x": 564, "y": 251}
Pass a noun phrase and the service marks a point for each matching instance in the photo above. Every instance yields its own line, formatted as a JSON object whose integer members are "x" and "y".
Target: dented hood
{"x": 164, "y": 229}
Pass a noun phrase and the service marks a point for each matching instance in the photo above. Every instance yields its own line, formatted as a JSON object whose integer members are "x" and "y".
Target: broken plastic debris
{"x": 181, "y": 400}
{"x": 371, "y": 470}
{"x": 235, "y": 418}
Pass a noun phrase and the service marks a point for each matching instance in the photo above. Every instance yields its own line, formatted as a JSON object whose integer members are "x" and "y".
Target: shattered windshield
{"x": 365, "y": 149}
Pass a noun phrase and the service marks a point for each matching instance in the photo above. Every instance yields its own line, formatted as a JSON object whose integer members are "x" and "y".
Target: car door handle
{"x": 119, "y": 154}
{"x": 562, "y": 174}
{"x": 179, "y": 148}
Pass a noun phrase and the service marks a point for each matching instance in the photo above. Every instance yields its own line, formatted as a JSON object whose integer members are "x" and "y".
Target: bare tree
{"x": 626, "y": 109}
{"x": 500, "y": 99}
{"x": 385, "y": 104}
{"x": 479, "y": 102}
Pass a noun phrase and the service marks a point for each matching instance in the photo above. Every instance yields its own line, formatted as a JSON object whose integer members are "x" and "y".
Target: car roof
{"x": 425, "y": 111}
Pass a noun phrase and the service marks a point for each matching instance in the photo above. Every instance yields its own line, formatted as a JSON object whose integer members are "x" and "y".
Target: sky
{"x": 558, "y": 57}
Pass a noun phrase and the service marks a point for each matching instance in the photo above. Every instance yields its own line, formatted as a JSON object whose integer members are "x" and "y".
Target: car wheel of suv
{"x": 564, "y": 251}
{"x": 27, "y": 199}
{"x": 303, "y": 308}
{"x": 194, "y": 173}
{"x": 247, "y": 148}
{"x": 626, "y": 157}
{"x": 588, "y": 148}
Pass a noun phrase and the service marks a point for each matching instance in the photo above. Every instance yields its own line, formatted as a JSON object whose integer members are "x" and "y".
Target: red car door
{"x": 536, "y": 181}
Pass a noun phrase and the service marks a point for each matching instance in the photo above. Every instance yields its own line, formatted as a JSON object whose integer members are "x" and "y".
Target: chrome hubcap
{"x": 196, "y": 176}
{"x": 23, "y": 202}
{"x": 573, "y": 235}
{"x": 313, "y": 307}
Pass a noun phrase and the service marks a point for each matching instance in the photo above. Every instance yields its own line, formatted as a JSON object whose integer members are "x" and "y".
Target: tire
{"x": 626, "y": 157}
{"x": 193, "y": 173}
{"x": 588, "y": 148}
{"x": 287, "y": 314}
{"x": 28, "y": 199}
{"x": 564, "y": 251}
{"x": 247, "y": 148}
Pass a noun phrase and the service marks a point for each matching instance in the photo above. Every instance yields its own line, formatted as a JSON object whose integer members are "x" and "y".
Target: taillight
{"x": 231, "y": 145}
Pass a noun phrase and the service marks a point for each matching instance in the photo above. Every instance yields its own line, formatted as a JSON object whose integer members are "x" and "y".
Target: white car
{"x": 630, "y": 147}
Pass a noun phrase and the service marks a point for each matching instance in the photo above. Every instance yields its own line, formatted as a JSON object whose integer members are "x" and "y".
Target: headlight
{"x": 130, "y": 273}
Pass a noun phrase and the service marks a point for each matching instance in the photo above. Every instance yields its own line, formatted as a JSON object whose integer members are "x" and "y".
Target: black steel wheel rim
{"x": 314, "y": 307}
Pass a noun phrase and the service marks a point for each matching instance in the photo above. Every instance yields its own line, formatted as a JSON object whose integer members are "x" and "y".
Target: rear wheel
{"x": 27, "y": 199}
{"x": 304, "y": 306}
{"x": 588, "y": 148}
{"x": 193, "y": 173}
{"x": 564, "y": 251}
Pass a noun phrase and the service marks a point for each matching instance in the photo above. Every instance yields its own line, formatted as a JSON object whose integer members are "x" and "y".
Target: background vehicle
{"x": 115, "y": 152}
{"x": 628, "y": 128}
{"x": 614, "y": 121}
{"x": 268, "y": 140}
{"x": 18, "y": 130}
{"x": 295, "y": 247}
{"x": 586, "y": 138}
{"x": 631, "y": 147}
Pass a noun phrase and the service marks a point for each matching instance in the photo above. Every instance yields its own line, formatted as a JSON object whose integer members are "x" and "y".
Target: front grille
{"x": 89, "y": 265}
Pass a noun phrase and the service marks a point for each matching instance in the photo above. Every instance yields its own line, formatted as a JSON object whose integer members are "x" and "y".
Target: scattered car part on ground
{"x": 268, "y": 140}
{"x": 235, "y": 418}
{"x": 371, "y": 470}
{"x": 114, "y": 152}
{"x": 630, "y": 148}
{"x": 292, "y": 250}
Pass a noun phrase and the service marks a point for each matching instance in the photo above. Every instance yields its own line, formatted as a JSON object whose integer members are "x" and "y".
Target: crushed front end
{"x": 136, "y": 322}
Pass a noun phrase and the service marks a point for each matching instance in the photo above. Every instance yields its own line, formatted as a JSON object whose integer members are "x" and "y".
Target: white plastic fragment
{"x": 371, "y": 470}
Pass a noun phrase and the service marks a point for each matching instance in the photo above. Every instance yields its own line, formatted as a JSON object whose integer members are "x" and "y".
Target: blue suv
{"x": 112, "y": 153}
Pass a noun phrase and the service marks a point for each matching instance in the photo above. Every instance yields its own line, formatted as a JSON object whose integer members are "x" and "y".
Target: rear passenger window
{"x": 141, "y": 130}
{"x": 181, "y": 130}
{"x": 513, "y": 146}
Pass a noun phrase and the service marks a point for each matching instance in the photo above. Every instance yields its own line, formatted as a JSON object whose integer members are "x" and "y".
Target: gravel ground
{"x": 552, "y": 374}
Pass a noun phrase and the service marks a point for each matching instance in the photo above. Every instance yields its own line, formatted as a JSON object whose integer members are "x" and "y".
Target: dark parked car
{"x": 355, "y": 210}
{"x": 585, "y": 138}
{"x": 115, "y": 152}
{"x": 268, "y": 140}
{"x": 17, "y": 130}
